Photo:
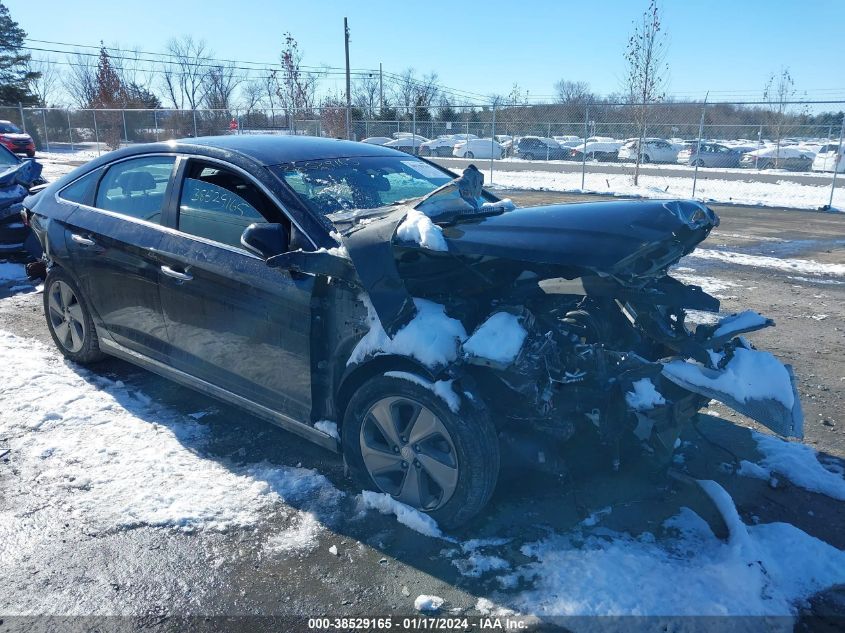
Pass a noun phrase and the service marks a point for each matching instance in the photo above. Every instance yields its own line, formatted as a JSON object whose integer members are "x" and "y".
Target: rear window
{"x": 136, "y": 187}
{"x": 82, "y": 190}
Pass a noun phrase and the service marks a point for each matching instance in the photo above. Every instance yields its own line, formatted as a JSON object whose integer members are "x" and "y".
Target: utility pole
{"x": 380, "y": 89}
{"x": 348, "y": 87}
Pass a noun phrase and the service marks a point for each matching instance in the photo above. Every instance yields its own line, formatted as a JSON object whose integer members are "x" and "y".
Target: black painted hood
{"x": 602, "y": 236}
{"x": 632, "y": 242}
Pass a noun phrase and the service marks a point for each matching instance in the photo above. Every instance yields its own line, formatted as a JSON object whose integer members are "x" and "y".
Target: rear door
{"x": 113, "y": 247}
{"x": 231, "y": 320}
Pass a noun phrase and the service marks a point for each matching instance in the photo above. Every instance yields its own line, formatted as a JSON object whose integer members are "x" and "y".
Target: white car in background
{"x": 790, "y": 158}
{"x": 654, "y": 150}
{"x": 377, "y": 140}
{"x": 409, "y": 144}
{"x": 602, "y": 148}
{"x": 479, "y": 148}
{"x": 831, "y": 157}
{"x": 443, "y": 145}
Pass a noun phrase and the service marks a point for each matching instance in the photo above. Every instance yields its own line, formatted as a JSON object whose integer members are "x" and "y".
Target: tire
{"x": 646, "y": 158}
{"x": 69, "y": 319}
{"x": 469, "y": 155}
{"x": 700, "y": 162}
{"x": 381, "y": 452}
{"x": 31, "y": 154}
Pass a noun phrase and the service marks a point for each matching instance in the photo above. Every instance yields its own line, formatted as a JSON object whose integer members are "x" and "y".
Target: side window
{"x": 136, "y": 187}
{"x": 218, "y": 204}
{"x": 82, "y": 191}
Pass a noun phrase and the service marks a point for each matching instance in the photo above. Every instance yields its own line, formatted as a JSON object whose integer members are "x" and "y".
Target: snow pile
{"x": 442, "y": 388}
{"x": 739, "y": 322}
{"x": 111, "y": 458}
{"x": 797, "y": 462}
{"x": 428, "y": 603}
{"x": 803, "y": 266}
{"x": 499, "y": 338}
{"x": 431, "y": 336}
{"x": 12, "y": 272}
{"x": 487, "y": 607}
{"x": 418, "y": 228}
{"x": 406, "y": 515}
{"x": 783, "y": 193}
{"x": 750, "y": 375}
{"x": 328, "y": 427}
{"x": 762, "y": 570}
{"x": 476, "y": 564}
{"x": 505, "y": 204}
{"x": 644, "y": 396}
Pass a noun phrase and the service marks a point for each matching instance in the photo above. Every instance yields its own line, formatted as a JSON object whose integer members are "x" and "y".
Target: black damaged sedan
{"x": 373, "y": 303}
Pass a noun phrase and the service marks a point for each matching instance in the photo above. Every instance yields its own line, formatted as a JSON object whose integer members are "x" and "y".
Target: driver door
{"x": 232, "y": 321}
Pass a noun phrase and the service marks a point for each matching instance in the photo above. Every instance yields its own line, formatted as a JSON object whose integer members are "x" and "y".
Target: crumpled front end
{"x": 15, "y": 183}
{"x": 566, "y": 318}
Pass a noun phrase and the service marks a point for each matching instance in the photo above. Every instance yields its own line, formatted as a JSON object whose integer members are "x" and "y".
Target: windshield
{"x": 9, "y": 128}
{"x": 340, "y": 184}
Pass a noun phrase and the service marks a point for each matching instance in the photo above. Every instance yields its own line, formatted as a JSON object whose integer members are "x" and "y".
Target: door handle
{"x": 167, "y": 270}
{"x": 85, "y": 241}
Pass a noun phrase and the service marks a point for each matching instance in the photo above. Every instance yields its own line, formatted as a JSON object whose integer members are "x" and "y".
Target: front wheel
{"x": 69, "y": 319}
{"x": 469, "y": 155}
{"x": 402, "y": 439}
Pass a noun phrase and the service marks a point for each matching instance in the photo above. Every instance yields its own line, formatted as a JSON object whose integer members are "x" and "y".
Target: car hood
{"x": 632, "y": 242}
{"x": 15, "y": 136}
{"x": 602, "y": 236}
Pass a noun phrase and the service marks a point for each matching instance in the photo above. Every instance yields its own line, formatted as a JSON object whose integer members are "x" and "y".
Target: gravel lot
{"x": 58, "y": 561}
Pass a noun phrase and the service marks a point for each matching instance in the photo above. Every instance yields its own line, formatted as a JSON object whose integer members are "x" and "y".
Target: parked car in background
{"x": 16, "y": 140}
{"x": 506, "y": 141}
{"x": 409, "y": 144}
{"x": 539, "y": 148}
{"x": 710, "y": 155}
{"x": 790, "y": 158}
{"x": 831, "y": 157}
{"x": 654, "y": 150}
{"x": 377, "y": 140}
{"x": 443, "y": 145}
{"x": 478, "y": 148}
{"x": 18, "y": 178}
{"x": 606, "y": 150}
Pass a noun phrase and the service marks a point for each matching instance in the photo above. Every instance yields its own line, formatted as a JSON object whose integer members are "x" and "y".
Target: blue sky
{"x": 728, "y": 47}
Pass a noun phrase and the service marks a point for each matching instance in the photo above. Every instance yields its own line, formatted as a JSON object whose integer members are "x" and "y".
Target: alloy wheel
{"x": 409, "y": 453}
{"x": 66, "y": 316}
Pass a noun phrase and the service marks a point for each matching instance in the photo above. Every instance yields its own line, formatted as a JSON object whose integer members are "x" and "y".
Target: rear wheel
{"x": 699, "y": 162}
{"x": 646, "y": 158}
{"x": 469, "y": 155}
{"x": 401, "y": 439}
{"x": 69, "y": 319}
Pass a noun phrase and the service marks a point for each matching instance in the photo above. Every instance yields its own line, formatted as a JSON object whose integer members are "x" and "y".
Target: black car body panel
{"x": 588, "y": 282}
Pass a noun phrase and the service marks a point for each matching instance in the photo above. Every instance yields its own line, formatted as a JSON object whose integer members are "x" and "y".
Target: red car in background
{"x": 15, "y": 140}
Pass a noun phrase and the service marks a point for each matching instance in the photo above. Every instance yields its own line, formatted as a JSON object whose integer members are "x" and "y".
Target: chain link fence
{"x": 743, "y": 153}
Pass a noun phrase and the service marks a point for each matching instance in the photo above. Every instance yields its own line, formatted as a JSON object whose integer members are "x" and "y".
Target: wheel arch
{"x": 355, "y": 376}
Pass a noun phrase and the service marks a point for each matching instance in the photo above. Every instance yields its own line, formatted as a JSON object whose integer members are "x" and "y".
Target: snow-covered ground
{"x": 102, "y": 454}
{"x": 780, "y": 194}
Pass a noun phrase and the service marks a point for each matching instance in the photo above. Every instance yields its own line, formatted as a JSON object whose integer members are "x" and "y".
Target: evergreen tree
{"x": 14, "y": 76}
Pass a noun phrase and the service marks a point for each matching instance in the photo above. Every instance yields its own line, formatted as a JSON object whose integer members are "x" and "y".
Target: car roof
{"x": 274, "y": 150}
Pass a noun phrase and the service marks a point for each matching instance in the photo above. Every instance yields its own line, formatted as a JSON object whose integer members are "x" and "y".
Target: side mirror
{"x": 266, "y": 240}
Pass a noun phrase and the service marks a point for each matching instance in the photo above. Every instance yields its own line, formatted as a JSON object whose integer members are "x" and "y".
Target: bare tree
{"x": 44, "y": 82}
{"x": 80, "y": 81}
{"x": 184, "y": 72}
{"x": 365, "y": 94}
{"x": 134, "y": 70}
{"x": 219, "y": 85}
{"x": 647, "y": 70}
{"x": 409, "y": 91}
{"x": 252, "y": 94}
{"x": 572, "y": 91}
{"x": 779, "y": 91}
{"x": 296, "y": 89}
